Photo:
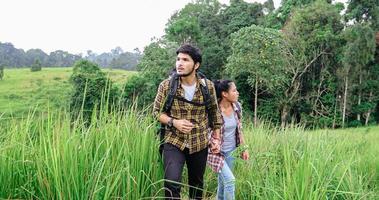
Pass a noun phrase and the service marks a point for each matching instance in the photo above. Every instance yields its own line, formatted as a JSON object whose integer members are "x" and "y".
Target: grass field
{"x": 22, "y": 90}
{"x": 47, "y": 156}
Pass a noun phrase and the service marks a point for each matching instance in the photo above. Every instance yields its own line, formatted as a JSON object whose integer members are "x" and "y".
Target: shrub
{"x": 36, "y": 66}
{"x": 90, "y": 89}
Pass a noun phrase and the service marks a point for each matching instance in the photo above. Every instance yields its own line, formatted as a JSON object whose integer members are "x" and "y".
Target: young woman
{"x": 231, "y": 138}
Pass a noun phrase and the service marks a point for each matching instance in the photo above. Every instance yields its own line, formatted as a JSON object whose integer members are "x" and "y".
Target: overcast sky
{"x": 80, "y": 25}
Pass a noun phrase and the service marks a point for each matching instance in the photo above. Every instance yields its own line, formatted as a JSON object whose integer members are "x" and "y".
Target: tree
{"x": 91, "y": 88}
{"x": 61, "y": 58}
{"x": 240, "y": 14}
{"x": 313, "y": 42}
{"x": 11, "y": 56}
{"x": 359, "y": 51}
{"x": 364, "y": 11}
{"x": 1, "y": 72}
{"x": 252, "y": 50}
{"x": 126, "y": 61}
{"x": 371, "y": 99}
{"x": 268, "y": 6}
{"x": 208, "y": 24}
{"x": 36, "y": 66}
{"x": 184, "y": 30}
{"x": 33, "y": 54}
{"x": 158, "y": 60}
{"x": 117, "y": 51}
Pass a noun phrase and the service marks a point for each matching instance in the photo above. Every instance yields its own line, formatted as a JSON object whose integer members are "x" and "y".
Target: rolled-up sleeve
{"x": 215, "y": 111}
{"x": 159, "y": 99}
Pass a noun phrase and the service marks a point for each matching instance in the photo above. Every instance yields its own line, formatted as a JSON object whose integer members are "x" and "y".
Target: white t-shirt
{"x": 189, "y": 91}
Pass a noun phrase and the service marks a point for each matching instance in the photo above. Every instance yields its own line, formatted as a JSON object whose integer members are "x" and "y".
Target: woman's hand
{"x": 215, "y": 145}
{"x": 245, "y": 155}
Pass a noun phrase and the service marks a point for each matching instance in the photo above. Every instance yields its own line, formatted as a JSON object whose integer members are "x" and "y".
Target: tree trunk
{"x": 256, "y": 103}
{"x": 367, "y": 117}
{"x": 284, "y": 116}
{"x": 344, "y": 102}
{"x": 359, "y": 96}
{"x": 369, "y": 111}
{"x": 335, "y": 114}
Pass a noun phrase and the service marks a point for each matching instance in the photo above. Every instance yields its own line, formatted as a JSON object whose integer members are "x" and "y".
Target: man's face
{"x": 185, "y": 65}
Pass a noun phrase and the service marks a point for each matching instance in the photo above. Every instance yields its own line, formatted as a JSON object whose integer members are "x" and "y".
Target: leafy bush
{"x": 36, "y": 66}
{"x": 90, "y": 88}
{"x": 1, "y": 72}
{"x": 158, "y": 60}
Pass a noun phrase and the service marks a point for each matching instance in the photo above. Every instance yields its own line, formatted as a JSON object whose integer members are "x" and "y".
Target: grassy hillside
{"x": 22, "y": 90}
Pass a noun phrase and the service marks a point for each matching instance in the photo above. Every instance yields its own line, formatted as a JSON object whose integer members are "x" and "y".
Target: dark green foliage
{"x": 116, "y": 58}
{"x": 240, "y": 14}
{"x": 36, "y": 54}
{"x": 299, "y": 78}
{"x": 359, "y": 71}
{"x": 127, "y": 61}
{"x": 154, "y": 67}
{"x": 313, "y": 35}
{"x": 278, "y": 18}
{"x": 91, "y": 89}
{"x": 36, "y": 66}
{"x": 364, "y": 11}
{"x": 208, "y": 24}
{"x": 13, "y": 57}
{"x": 1, "y": 72}
{"x": 299, "y": 72}
{"x": 360, "y": 46}
{"x": 62, "y": 58}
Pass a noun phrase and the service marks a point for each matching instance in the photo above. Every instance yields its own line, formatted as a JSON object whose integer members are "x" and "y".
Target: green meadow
{"x": 22, "y": 90}
{"x": 44, "y": 155}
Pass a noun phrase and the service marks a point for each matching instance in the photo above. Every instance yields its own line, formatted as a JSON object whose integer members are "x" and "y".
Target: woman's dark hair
{"x": 221, "y": 86}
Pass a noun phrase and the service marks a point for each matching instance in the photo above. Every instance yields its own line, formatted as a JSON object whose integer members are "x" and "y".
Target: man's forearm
{"x": 164, "y": 118}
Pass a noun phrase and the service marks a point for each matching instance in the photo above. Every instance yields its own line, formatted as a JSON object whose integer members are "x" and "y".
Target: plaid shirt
{"x": 197, "y": 139}
{"x": 216, "y": 161}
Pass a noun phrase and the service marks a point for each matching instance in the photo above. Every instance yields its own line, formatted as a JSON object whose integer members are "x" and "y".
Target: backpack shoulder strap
{"x": 173, "y": 85}
{"x": 207, "y": 97}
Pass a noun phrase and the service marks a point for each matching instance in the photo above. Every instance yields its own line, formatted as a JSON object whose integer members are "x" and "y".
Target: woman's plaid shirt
{"x": 197, "y": 139}
{"x": 216, "y": 161}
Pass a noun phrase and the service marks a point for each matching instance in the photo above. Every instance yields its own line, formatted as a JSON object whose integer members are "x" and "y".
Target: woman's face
{"x": 232, "y": 94}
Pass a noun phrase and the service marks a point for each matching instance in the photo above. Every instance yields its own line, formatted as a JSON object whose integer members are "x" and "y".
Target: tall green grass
{"x": 116, "y": 157}
{"x": 298, "y": 164}
{"x": 52, "y": 158}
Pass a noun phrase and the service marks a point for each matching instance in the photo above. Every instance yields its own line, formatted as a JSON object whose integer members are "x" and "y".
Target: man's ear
{"x": 197, "y": 65}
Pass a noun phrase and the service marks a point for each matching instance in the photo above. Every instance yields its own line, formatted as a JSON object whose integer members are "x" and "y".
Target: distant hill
{"x": 12, "y": 57}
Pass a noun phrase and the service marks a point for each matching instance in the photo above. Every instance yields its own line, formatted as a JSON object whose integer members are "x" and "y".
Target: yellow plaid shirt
{"x": 197, "y": 139}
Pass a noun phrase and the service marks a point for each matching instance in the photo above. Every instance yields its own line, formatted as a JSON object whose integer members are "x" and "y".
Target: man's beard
{"x": 189, "y": 73}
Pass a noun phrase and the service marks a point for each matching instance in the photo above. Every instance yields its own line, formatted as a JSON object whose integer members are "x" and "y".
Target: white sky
{"x": 80, "y": 25}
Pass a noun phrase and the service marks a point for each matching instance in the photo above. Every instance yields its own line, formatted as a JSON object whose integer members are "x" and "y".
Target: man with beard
{"x": 187, "y": 124}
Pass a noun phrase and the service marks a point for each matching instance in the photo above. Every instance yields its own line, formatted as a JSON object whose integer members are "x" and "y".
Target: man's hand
{"x": 183, "y": 125}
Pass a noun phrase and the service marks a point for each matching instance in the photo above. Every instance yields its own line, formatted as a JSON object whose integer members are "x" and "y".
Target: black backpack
{"x": 173, "y": 85}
